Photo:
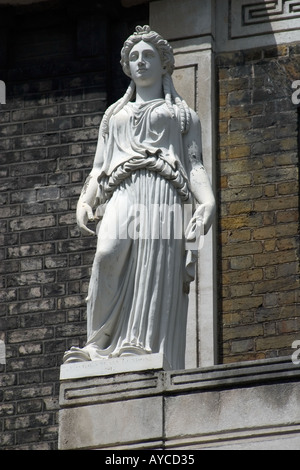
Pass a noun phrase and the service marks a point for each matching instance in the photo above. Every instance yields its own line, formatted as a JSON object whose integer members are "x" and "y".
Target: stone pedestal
{"x": 251, "y": 405}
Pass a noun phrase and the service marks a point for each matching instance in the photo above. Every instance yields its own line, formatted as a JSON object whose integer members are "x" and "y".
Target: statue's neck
{"x": 149, "y": 93}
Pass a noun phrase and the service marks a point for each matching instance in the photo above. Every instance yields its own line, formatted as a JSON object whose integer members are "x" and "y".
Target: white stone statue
{"x": 147, "y": 173}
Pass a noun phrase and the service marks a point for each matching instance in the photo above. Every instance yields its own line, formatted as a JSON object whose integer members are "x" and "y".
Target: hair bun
{"x": 142, "y": 29}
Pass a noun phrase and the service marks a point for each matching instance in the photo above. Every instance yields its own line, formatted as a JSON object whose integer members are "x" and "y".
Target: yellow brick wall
{"x": 258, "y": 201}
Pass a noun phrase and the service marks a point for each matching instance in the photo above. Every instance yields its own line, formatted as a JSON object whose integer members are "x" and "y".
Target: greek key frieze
{"x": 270, "y": 11}
{"x": 254, "y": 17}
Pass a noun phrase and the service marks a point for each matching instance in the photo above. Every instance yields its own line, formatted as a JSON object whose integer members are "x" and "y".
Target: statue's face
{"x": 145, "y": 64}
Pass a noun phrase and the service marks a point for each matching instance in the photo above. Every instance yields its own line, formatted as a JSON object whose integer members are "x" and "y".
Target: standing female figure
{"x": 147, "y": 170}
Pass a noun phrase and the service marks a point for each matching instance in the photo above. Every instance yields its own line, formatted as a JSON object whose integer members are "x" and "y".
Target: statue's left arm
{"x": 199, "y": 181}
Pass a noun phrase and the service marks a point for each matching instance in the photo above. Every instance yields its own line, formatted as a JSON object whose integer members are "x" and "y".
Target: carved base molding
{"x": 251, "y": 405}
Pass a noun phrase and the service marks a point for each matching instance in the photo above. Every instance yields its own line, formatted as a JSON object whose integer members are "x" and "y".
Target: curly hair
{"x": 144, "y": 33}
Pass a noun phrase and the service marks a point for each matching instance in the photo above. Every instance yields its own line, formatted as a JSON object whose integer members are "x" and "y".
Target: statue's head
{"x": 163, "y": 70}
{"x": 144, "y": 33}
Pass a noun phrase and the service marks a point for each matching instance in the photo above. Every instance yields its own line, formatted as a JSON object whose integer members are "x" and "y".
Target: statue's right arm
{"x": 86, "y": 202}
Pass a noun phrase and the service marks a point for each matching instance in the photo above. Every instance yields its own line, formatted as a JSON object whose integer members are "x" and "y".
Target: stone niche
{"x": 143, "y": 405}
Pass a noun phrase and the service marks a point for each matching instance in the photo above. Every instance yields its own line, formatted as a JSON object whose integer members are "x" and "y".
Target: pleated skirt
{"x": 136, "y": 301}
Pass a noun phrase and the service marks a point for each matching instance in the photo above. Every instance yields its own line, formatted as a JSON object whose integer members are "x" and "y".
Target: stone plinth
{"x": 250, "y": 405}
{"x": 108, "y": 409}
{"x": 113, "y": 366}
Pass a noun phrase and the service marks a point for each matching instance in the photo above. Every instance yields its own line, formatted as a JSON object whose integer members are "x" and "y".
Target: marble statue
{"x": 147, "y": 172}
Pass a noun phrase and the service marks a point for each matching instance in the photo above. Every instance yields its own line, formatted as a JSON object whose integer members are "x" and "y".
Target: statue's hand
{"x": 84, "y": 214}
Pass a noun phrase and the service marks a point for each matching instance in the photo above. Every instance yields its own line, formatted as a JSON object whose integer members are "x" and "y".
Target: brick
{"x": 60, "y": 123}
{"x": 270, "y": 329}
{"x": 79, "y": 136}
{"x": 273, "y": 175}
{"x": 30, "y": 293}
{"x": 270, "y": 245}
{"x": 245, "y": 331}
{"x": 242, "y": 303}
{"x": 235, "y": 181}
{"x": 264, "y": 233}
{"x": 31, "y": 250}
{"x": 30, "y": 377}
{"x": 41, "y": 305}
{"x": 7, "y": 409}
{"x": 30, "y": 348}
{"x": 286, "y": 243}
{"x": 9, "y": 267}
{"x": 240, "y": 124}
{"x": 288, "y": 269}
{"x": 276, "y": 203}
{"x": 59, "y": 205}
{"x": 239, "y": 346}
{"x": 271, "y": 299}
{"x": 275, "y": 285}
{"x": 54, "y": 290}
{"x": 239, "y": 151}
{"x": 263, "y": 148}
{"x": 31, "y": 435}
{"x": 31, "y": 264}
{"x": 251, "y": 275}
{"x": 33, "y": 209}
{"x": 58, "y": 179}
{"x": 56, "y": 233}
{"x": 285, "y": 230}
{"x": 241, "y": 249}
{"x": 30, "y": 334}
{"x": 58, "y": 151}
{"x": 34, "y": 113}
{"x": 71, "y": 302}
{"x": 228, "y": 223}
{"x": 5, "y": 144}
{"x": 238, "y": 97}
{"x": 268, "y": 342}
{"x": 16, "y": 423}
{"x": 244, "y": 194}
{"x": 56, "y": 262}
{"x": 26, "y": 278}
{"x": 8, "y": 295}
{"x": 48, "y": 193}
{"x": 241, "y": 262}
{"x": 35, "y": 127}
{"x": 241, "y": 290}
{"x": 287, "y": 216}
{"x": 286, "y": 188}
{"x": 10, "y": 130}
{"x": 274, "y": 258}
{"x": 239, "y": 236}
{"x": 11, "y": 211}
{"x": 239, "y": 207}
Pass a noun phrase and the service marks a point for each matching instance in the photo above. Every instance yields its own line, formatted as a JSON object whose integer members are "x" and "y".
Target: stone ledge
{"x": 233, "y": 375}
{"x": 95, "y": 381}
{"x": 249, "y": 405}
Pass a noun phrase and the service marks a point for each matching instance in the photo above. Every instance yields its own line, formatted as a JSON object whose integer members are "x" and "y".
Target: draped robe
{"x": 137, "y": 299}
